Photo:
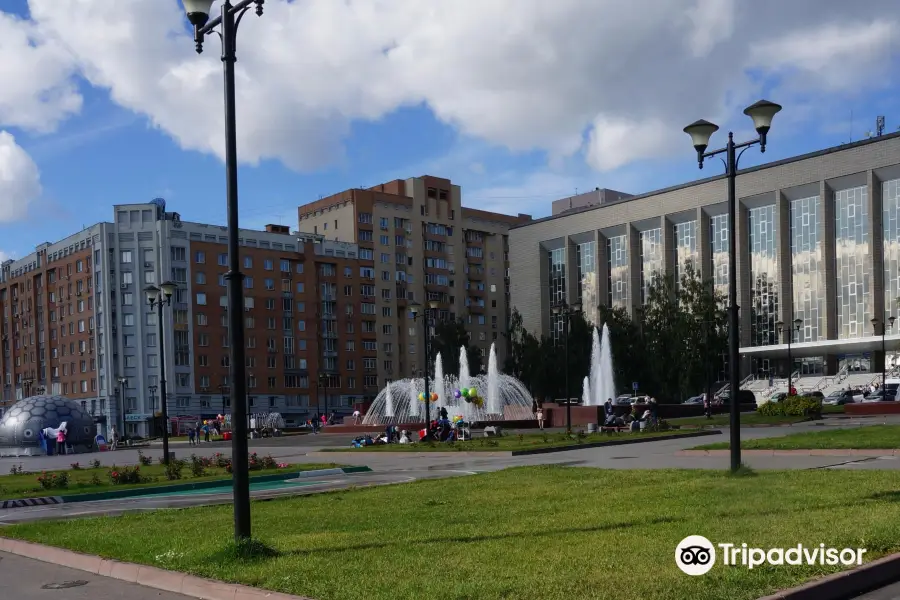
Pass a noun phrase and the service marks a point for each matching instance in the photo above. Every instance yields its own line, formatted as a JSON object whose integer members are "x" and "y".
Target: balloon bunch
{"x": 433, "y": 397}
{"x": 457, "y": 418}
{"x": 470, "y": 395}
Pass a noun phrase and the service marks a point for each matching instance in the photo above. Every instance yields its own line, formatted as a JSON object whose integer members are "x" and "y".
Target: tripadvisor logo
{"x": 696, "y": 555}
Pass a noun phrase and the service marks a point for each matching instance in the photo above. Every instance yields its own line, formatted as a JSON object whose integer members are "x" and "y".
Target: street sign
{"x": 634, "y": 386}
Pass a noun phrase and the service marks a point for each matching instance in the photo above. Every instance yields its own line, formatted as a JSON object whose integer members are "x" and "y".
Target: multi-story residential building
{"x": 818, "y": 243}
{"x": 417, "y": 243}
{"x": 76, "y": 321}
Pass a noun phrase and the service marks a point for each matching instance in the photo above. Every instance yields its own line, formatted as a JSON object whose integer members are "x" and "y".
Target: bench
{"x": 612, "y": 430}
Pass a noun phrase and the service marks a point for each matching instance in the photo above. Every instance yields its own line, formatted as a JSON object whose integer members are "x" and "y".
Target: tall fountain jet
{"x": 464, "y": 380}
{"x": 596, "y": 373}
{"x": 493, "y": 381}
{"x": 438, "y": 387}
{"x": 607, "y": 387}
{"x": 413, "y": 395}
{"x": 586, "y": 398}
{"x": 388, "y": 402}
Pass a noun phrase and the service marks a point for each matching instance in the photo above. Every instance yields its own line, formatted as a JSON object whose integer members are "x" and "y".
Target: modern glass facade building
{"x": 818, "y": 240}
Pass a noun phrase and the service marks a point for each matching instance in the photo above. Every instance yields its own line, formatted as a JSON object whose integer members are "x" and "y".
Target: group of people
{"x": 320, "y": 421}
{"x": 205, "y": 429}
{"x": 610, "y": 419}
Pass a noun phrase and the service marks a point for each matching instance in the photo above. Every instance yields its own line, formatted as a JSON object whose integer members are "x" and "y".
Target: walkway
{"x": 25, "y": 579}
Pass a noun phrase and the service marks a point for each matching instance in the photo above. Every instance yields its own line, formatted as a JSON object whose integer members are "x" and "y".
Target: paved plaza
{"x": 387, "y": 468}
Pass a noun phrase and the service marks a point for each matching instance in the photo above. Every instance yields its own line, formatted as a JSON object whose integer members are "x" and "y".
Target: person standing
{"x": 540, "y": 418}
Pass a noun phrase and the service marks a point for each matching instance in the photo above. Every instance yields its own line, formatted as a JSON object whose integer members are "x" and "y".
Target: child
{"x": 191, "y": 436}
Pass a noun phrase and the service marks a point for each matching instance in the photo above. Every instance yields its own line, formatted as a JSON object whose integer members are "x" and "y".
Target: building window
{"x": 763, "y": 275}
{"x": 852, "y": 263}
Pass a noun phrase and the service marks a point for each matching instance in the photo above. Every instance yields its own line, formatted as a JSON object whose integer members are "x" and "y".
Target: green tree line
{"x": 672, "y": 345}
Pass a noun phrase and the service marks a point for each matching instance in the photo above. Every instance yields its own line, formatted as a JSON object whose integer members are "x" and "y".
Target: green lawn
{"x": 549, "y": 532}
{"x": 511, "y": 443}
{"x": 877, "y": 437}
{"x": 81, "y": 481}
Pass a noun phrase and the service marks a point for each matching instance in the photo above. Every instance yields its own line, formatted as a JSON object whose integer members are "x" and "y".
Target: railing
{"x": 746, "y": 379}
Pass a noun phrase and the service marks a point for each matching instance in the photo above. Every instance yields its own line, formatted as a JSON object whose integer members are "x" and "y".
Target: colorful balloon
{"x": 422, "y": 396}
{"x": 473, "y": 392}
{"x": 457, "y": 394}
{"x": 434, "y": 396}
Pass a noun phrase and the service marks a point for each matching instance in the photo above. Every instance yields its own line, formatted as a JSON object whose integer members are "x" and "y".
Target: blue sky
{"x": 511, "y": 144}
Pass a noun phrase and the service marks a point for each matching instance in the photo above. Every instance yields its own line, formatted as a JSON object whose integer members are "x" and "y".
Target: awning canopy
{"x": 820, "y": 348}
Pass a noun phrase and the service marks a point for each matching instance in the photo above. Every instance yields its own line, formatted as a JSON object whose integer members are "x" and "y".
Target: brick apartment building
{"x": 76, "y": 322}
{"x": 417, "y": 243}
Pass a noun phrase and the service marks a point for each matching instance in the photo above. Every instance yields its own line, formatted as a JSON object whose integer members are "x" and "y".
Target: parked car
{"x": 842, "y": 397}
{"x": 694, "y": 400}
{"x": 815, "y": 394}
{"x": 886, "y": 395}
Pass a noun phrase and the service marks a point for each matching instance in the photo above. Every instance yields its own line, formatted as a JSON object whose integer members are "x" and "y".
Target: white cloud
{"x": 37, "y": 91}
{"x": 613, "y": 80}
{"x": 20, "y": 181}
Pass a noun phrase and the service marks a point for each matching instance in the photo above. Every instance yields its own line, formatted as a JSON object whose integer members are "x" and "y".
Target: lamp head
{"x": 168, "y": 288}
{"x": 779, "y": 324}
{"x": 197, "y": 11}
{"x": 433, "y": 304}
{"x": 762, "y": 113}
{"x": 152, "y": 293}
{"x": 700, "y": 132}
{"x": 797, "y": 323}
{"x": 414, "y": 308}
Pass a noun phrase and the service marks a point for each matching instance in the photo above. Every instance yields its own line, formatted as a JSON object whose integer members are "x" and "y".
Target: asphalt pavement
{"x": 27, "y": 579}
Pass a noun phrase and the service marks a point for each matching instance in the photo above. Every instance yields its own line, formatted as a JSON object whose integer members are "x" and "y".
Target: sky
{"x": 521, "y": 102}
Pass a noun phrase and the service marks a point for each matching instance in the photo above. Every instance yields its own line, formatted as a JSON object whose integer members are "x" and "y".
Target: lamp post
{"x": 26, "y": 386}
{"x": 564, "y": 311}
{"x": 323, "y": 385}
{"x": 415, "y": 311}
{"x": 223, "y": 389}
{"x": 701, "y": 131}
{"x": 123, "y": 383}
{"x": 153, "y": 389}
{"x": 789, "y": 331}
{"x": 157, "y": 297}
{"x": 884, "y": 326}
{"x": 231, "y": 14}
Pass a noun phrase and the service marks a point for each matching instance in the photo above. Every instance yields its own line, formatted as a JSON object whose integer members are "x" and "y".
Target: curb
{"x": 846, "y": 584}
{"x": 823, "y": 452}
{"x": 151, "y": 577}
{"x": 178, "y": 487}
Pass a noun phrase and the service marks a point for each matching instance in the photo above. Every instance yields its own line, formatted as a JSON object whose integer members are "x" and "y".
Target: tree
{"x": 449, "y": 337}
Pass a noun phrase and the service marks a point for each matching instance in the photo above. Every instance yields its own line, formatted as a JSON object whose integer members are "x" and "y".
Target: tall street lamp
{"x": 884, "y": 327}
{"x": 223, "y": 389}
{"x": 123, "y": 384}
{"x": 789, "y": 332}
{"x": 323, "y": 385}
{"x": 153, "y": 389}
{"x": 157, "y": 297}
{"x": 231, "y": 14}
{"x": 762, "y": 113}
{"x": 565, "y": 312}
{"x": 415, "y": 311}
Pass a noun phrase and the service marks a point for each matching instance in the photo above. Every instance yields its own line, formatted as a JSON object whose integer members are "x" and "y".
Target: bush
{"x": 75, "y": 466}
{"x": 95, "y": 480}
{"x": 125, "y": 475}
{"x": 52, "y": 481}
{"x": 145, "y": 461}
{"x": 221, "y": 461}
{"x": 198, "y": 468}
{"x": 173, "y": 469}
{"x": 95, "y": 464}
{"x": 16, "y": 470}
{"x": 792, "y": 406}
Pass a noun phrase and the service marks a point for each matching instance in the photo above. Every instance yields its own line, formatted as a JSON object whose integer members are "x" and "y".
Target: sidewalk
{"x": 24, "y": 578}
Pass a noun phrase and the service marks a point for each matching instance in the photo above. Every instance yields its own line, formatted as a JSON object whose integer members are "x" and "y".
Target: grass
{"x": 81, "y": 481}
{"x": 877, "y": 437}
{"x": 548, "y": 532}
{"x": 511, "y": 443}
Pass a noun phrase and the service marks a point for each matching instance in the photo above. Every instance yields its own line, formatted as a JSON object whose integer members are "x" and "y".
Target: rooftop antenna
{"x": 879, "y": 125}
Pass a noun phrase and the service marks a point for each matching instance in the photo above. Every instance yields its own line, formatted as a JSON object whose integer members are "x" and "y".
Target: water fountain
{"x": 594, "y": 399}
{"x": 600, "y": 385}
{"x": 388, "y": 401}
{"x": 506, "y": 398}
{"x": 606, "y": 388}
